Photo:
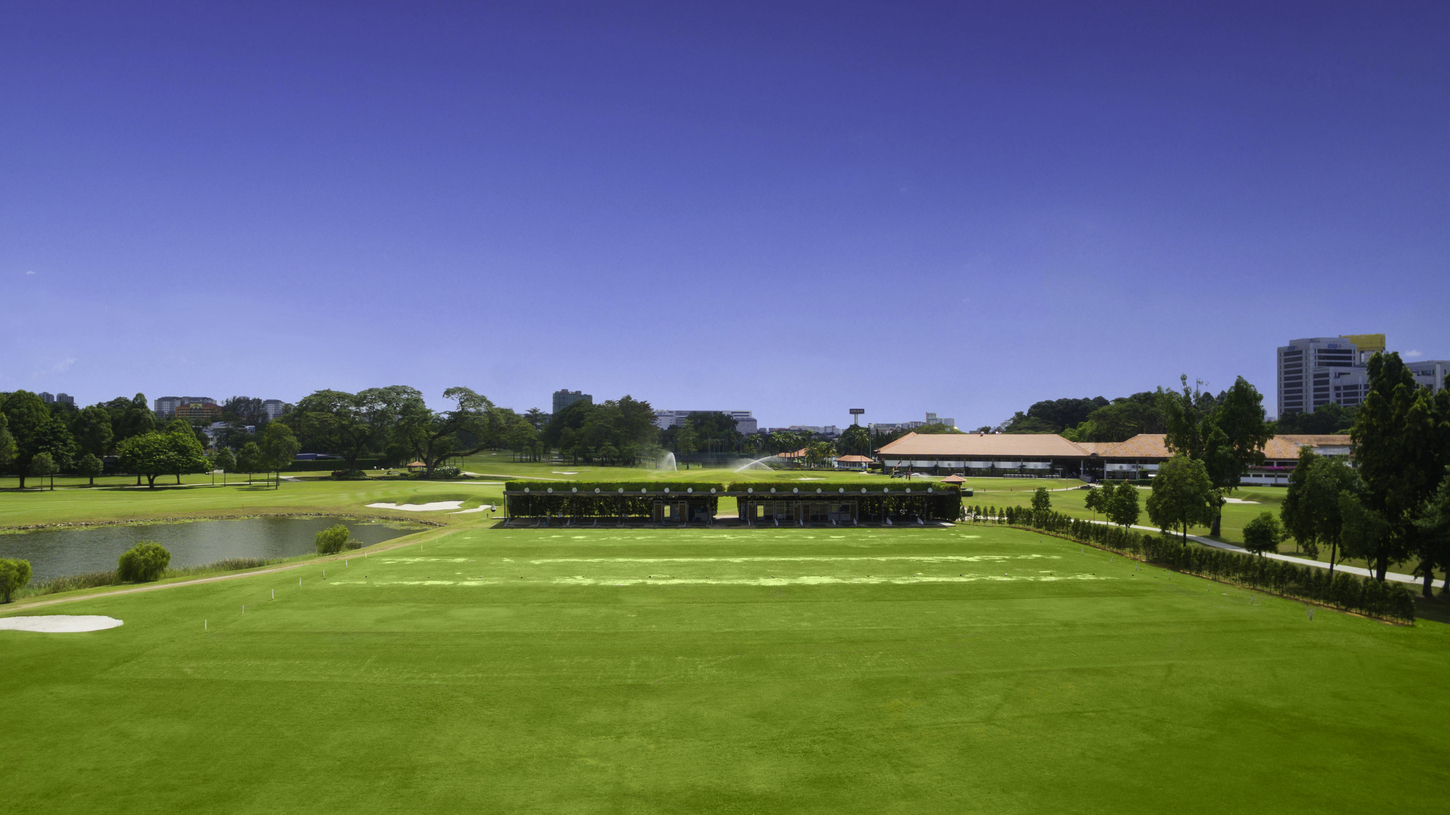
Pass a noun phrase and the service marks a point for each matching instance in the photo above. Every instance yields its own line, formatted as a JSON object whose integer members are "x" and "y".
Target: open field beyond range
{"x": 966, "y": 669}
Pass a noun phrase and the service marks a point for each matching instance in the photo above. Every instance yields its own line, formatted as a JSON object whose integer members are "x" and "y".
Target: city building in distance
{"x": 891, "y": 427}
{"x": 1318, "y": 371}
{"x": 58, "y": 398}
{"x": 565, "y": 398}
{"x": 744, "y": 419}
{"x": 273, "y": 408}
{"x": 165, "y": 406}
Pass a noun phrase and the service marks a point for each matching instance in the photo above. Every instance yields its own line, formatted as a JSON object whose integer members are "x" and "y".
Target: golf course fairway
{"x": 966, "y": 669}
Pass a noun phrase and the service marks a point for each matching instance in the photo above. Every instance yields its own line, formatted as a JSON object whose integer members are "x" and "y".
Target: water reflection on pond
{"x": 63, "y": 552}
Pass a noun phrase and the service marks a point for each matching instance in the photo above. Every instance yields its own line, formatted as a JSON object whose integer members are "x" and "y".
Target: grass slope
{"x": 951, "y": 670}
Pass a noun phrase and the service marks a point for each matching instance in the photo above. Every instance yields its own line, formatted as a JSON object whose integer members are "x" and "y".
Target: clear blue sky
{"x": 789, "y": 208}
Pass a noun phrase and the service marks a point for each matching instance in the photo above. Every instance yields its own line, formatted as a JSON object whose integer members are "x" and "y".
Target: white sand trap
{"x": 564, "y": 472}
{"x": 475, "y": 509}
{"x": 436, "y": 506}
{"x": 59, "y": 623}
{"x": 1239, "y": 501}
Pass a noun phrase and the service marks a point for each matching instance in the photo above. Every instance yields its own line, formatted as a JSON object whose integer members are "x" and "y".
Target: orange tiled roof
{"x": 856, "y": 459}
{"x": 1043, "y": 445}
{"x": 1143, "y": 445}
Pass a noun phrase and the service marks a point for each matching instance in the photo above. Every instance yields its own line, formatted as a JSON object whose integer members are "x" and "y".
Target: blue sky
{"x": 789, "y": 208}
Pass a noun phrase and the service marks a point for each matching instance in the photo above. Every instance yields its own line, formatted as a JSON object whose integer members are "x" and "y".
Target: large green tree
{"x": 226, "y": 462}
{"x": 1310, "y": 511}
{"x": 1432, "y": 530}
{"x": 7, "y": 444}
{"x": 1401, "y": 447}
{"x": 279, "y": 448}
{"x": 26, "y": 417}
{"x": 348, "y": 424}
{"x": 92, "y": 430}
{"x": 43, "y": 466}
{"x": 1183, "y": 495}
{"x": 432, "y": 436}
{"x": 249, "y": 459}
{"x": 89, "y": 467}
{"x": 173, "y": 452}
{"x": 1120, "y": 503}
{"x": 1226, "y": 433}
{"x": 130, "y": 417}
{"x": 855, "y": 441}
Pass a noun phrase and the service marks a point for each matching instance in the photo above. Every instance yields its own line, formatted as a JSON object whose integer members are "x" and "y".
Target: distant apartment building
{"x": 565, "y": 398}
{"x": 47, "y": 397}
{"x": 828, "y": 430}
{"x": 165, "y": 406}
{"x": 744, "y": 419}
{"x": 892, "y": 427}
{"x": 1430, "y": 373}
{"x": 65, "y": 399}
{"x": 273, "y": 408}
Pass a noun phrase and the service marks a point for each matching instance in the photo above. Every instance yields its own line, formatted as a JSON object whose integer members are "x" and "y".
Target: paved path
{"x": 1299, "y": 561}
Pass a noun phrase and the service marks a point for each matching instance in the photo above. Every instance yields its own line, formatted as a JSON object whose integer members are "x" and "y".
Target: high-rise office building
{"x": 1317, "y": 371}
{"x": 1335, "y": 370}
{"x": 565, "y": 398}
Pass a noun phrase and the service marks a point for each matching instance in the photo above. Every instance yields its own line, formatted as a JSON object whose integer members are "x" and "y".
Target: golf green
{"x": 967, "y": 669}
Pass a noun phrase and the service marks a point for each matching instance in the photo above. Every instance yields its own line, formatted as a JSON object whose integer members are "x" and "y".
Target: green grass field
{"x": 973, "y": 669}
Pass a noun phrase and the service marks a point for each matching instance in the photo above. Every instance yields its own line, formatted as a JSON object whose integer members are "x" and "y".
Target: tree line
{"x": 1390, "y": 504}
{"x": 1097, "y": 419}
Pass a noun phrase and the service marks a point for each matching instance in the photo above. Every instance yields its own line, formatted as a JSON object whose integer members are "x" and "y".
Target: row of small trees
{"x": 1363, "y": 595}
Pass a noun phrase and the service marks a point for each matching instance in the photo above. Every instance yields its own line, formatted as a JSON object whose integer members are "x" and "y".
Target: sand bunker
{"x": 1238, "y": 501}
{"x": 483, "y": 508}
{"x": 59, "y": 623}
{"x": 436, "y": 506}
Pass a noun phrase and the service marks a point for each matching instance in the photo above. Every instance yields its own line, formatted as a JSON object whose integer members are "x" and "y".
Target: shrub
{"x": 331, "y": 540}
{"x": 14, "y": 574}
{"x": 143, "y": 562}
{"x": 446, "y": 472}
{"x": 1263, "y": 534}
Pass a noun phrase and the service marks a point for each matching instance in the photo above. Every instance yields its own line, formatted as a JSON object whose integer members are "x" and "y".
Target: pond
{"x": 64, "y": 552}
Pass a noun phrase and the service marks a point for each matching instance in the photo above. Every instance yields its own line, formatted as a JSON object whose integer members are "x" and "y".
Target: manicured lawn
{"x": 939, "y": 670}
{"x": 306, "y": 495}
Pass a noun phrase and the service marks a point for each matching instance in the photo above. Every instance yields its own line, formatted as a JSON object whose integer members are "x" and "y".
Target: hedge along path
{"x": 397, "y": 543}
{"x": 1209, "y": 578}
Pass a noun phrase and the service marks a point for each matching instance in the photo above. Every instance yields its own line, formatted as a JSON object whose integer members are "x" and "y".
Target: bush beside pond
{"x": 143, "y": 563}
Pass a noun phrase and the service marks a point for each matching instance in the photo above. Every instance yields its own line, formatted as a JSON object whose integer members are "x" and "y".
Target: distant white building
{"x": 744, "y": 419}
{"x": 273, "y": 408}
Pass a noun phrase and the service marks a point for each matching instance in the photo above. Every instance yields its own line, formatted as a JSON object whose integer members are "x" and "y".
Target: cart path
{"x": 1298, "y": 561}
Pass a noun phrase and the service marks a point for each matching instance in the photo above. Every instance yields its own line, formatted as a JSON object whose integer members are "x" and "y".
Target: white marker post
{"x": 203, "y": 625}
{"x": 274, "y": 594}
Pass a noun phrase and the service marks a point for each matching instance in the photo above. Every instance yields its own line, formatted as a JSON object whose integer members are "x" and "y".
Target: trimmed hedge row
{"x": 609, "y": 502}
{"x": 851, "y": 491}
{"x": 588, "y": 487}
{"x": 1374, "y": 598}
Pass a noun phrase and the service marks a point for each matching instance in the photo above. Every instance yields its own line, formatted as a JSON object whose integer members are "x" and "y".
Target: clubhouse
{"x": 1033, "y": 455}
